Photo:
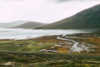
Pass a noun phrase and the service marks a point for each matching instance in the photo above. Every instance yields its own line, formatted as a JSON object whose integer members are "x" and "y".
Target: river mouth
{"x": 8, "y": 33}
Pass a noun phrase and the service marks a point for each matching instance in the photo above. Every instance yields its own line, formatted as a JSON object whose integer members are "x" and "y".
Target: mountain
{"x": 11, "y": 24}
{"x": 29, "y": 25}
{"x": 86, "y": 19}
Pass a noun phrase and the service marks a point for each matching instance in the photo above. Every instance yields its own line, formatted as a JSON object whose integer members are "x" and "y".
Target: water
{"x": 76, "y": 47}
{"x": 7, "y": 33}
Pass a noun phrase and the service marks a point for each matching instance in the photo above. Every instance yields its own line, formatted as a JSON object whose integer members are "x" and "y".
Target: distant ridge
{"x": 29, "y": 25}
{"x": 86, "y": 19}
{"x": 21, "y": 24}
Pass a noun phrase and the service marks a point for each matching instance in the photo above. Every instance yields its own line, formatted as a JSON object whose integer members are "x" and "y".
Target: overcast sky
{"x": 41, "y": 10}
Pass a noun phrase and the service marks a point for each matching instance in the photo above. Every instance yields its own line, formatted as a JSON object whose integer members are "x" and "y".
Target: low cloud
{"x": 73, "y": 0}
{"x": 40, "y": 10}
{"x": 11, "y": 0}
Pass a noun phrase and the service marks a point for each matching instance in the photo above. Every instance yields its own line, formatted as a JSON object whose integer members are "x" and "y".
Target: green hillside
{"x": 87, "y": 19}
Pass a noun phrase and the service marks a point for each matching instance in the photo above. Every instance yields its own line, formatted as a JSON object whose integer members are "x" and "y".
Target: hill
{"x": 86, "y": 19}
{"x": 29, "y": 25}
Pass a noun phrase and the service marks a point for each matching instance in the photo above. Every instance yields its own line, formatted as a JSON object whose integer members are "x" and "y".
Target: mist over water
{"x": 7, "y": 33}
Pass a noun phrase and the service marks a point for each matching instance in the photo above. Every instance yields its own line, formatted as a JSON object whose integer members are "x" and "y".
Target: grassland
{"x": 28, "y": 52}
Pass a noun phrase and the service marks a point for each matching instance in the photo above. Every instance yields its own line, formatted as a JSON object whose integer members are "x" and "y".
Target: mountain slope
{"x": 87, "y": 19}
{"x": 29, "y": 25}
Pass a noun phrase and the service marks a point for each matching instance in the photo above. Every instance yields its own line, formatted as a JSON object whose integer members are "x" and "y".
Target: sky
{"x": 46, "y": 11}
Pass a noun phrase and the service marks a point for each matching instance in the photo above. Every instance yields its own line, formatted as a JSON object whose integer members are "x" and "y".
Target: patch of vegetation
{"x": 27, "y": 52}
